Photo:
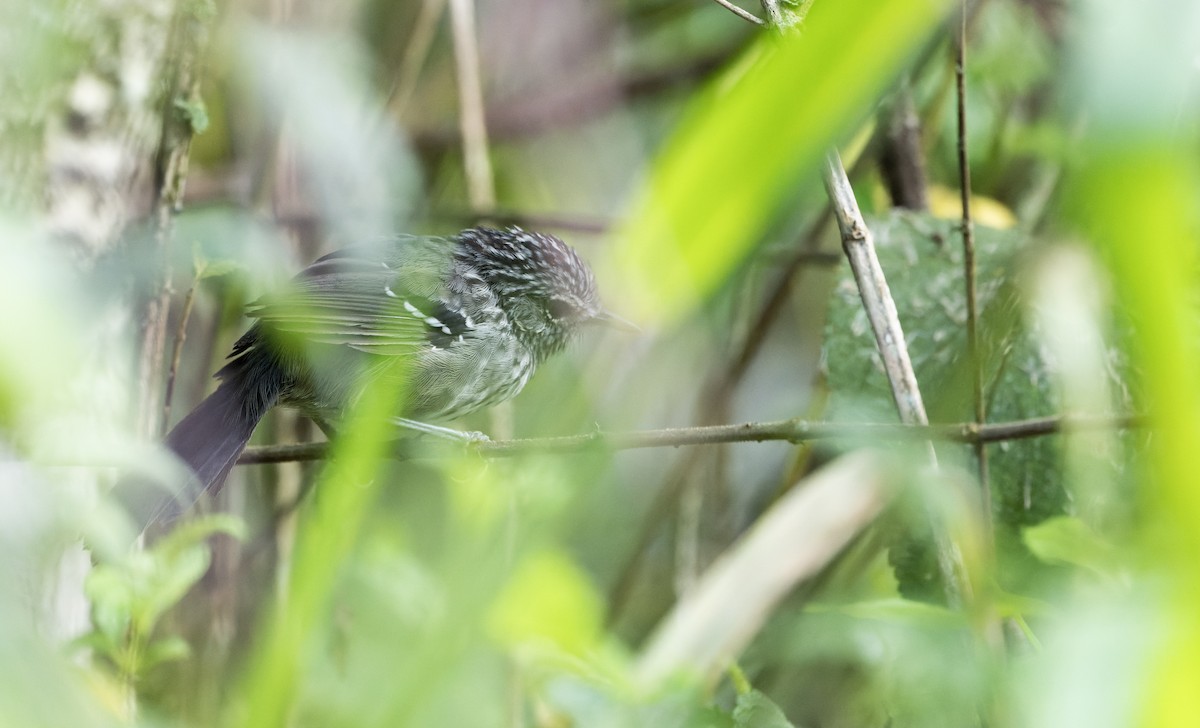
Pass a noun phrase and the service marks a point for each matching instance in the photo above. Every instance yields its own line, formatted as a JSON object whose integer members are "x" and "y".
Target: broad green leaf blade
{"x": 549, "y": 600}
{"x": 1068, "y": 540}
{"x": 749, "y": 138}
{"x": 756, "y": 710}
{"x": 899, "y": 611}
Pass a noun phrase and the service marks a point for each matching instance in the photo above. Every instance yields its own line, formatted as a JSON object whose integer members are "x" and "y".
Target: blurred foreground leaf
{"x": 922, "y": 258}
{"x": 548, "y": 599}
{"x": 128, "y": 598}
{"x": 748, "y": 139}
{"x": 1067, "y": 540}
{"x": 755, "y": 710}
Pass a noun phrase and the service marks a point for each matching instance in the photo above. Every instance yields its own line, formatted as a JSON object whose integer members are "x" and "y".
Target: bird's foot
{"x": 446, "y": 433}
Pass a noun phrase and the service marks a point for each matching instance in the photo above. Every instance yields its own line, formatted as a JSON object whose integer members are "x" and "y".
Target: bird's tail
{"x": 210, "y": 438}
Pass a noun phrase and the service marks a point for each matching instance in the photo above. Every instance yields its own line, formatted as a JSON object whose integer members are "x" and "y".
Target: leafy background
{"x": 678, "y": 147}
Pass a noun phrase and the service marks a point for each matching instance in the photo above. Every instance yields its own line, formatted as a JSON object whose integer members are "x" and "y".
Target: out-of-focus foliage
{"x": 743, "y": 127}
{"x": 922, "y": 257}
{"x": 128, "y": 599}
{"x": 674, "y": 145}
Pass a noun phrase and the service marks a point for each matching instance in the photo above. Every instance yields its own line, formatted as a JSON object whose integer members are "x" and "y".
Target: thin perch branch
{"x": 793, "y": 431}
{"x": 743, "y": 14}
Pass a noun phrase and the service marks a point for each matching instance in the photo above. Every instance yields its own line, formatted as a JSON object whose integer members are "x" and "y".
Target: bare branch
{"x": 881, "y": 311}
{"x": 743, "y": 14}
{"x": 859, "y": 245}
{"x": 793, "y": 431}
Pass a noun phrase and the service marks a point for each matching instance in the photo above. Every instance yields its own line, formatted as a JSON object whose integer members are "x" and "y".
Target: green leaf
{"x": 176, "y": 564}
{"x": 108, "y": 590}
{"x": 747, "y": 141}
{"x": 217, "y": 268}
{"x": 1068, "y": 540}
{"x": 172, "y": 579}
{"x": 128, "y": 598}
{"x": 194, "y": 112}
{"x": 755, "y": 710}
{"x": 921, "y": 256}
{"x": 548, "y": 599}
{"x": 899, "y": 611}
{"x": 196, "y": 531}
{"x": 168, "y": 649}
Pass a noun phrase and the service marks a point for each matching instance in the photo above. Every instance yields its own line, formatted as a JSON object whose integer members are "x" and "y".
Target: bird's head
{"x": 546, "y": 289}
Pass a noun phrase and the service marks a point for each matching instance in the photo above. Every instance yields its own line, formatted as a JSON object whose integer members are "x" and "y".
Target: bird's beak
{"x": 608, "y": 318}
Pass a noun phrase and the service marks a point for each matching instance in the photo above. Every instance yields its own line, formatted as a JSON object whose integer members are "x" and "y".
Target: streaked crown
{"x": 520, "y": 264}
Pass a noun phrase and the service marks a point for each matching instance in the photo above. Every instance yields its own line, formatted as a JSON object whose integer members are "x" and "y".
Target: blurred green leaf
{"x": 749, "y": 138}
{"x": 327, "y": 536}
{"x": 194, "y": 112}
{"x": 129, "y": 597}
{"x": 216, "y": 268}
{"x": 896, "y": 610}
{"x": 922, "y": 258}
{"x": 548, "y": 599}
{"x": 755, "y": 710}
{"x": 169, "y": 580}
{"x": 168, "y": 649}
{"x": 1068, "y": 540}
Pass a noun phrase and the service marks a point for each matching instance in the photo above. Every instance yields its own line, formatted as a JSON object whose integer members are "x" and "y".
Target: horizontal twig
{"x": 743, "y": 14}
{"x": 792, "y": 431}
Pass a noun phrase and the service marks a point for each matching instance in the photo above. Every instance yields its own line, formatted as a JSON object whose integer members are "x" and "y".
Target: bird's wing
{"x": 387, "y": 301}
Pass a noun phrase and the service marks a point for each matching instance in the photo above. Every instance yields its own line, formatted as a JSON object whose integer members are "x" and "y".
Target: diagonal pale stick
{"x": 859, "y": 245}
{"x": 791, "y": 542}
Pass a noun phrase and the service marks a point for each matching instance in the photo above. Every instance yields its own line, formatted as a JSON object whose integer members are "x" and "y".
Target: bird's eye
{"x": 560, "y": 308}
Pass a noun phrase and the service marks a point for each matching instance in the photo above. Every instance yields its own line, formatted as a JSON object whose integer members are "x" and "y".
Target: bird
{"x": 465, "y": 319}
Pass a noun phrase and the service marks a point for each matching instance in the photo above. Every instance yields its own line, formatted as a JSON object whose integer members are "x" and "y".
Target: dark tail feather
{"x": 209, "y": 440}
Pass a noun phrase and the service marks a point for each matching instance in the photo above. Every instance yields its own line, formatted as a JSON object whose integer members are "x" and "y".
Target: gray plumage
{"x": 465, "y": 319}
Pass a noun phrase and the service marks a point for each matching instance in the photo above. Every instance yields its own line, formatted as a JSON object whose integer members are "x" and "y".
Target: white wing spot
{"x": 391, "y": 294}
{"x": 412, "y": 309}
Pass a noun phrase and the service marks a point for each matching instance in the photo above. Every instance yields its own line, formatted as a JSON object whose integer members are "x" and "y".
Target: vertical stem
{"x": 416, "y": 51}
{"x": 989, "y": 625}
{"x": 189, "y": 33}
{"x": 480, "y": 184}
{"x": 902, "y": 160}
{"x": 177, "y": 351}
{"x": 968, "y": 236}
